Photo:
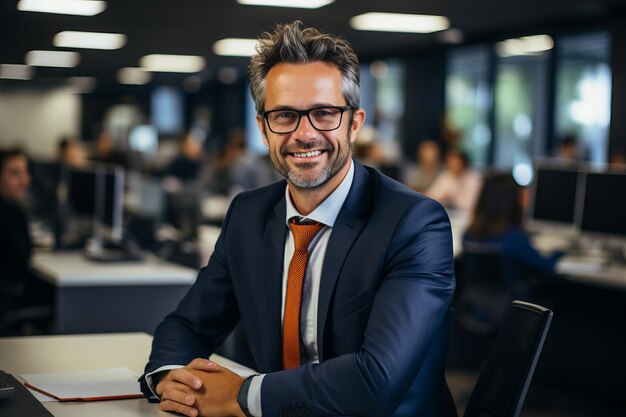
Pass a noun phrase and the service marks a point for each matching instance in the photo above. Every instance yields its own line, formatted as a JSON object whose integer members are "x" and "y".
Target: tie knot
{"x": 303, "y": 234}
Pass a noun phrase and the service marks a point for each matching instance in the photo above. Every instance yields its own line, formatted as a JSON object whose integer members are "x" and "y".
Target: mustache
{"x": 305, "y": 146}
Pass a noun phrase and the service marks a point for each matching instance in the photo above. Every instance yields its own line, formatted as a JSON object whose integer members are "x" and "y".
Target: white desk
{"x": 95, "y": 297}
{"x": 35, "y": 354}
{"x": 39, "y": 354}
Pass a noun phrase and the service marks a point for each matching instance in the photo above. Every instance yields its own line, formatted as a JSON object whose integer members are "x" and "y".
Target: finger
{"x": 202, "y": 364}
{"x": 168, "y": 405}
{"x": 173, "y": 385}
{"x": 173, "y": 394}
{"x": 185, "y": 377}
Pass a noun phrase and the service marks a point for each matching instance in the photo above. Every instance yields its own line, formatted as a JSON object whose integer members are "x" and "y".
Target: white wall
{"x": 35, "y": 121}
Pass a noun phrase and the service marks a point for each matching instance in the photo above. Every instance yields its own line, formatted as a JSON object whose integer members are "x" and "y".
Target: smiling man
{"x": 341, "y": 278}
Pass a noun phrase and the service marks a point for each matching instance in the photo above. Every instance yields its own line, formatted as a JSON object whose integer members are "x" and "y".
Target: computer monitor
{"x": 96, "y": 193}
{"x": 111, "y": 195}
{"x": 554, "y": 195}
{"x": 604, "y": 204}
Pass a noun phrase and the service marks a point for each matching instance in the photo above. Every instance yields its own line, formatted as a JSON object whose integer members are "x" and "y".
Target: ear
{"x": 358, "y": 119}
{"x": 261, "y": 124}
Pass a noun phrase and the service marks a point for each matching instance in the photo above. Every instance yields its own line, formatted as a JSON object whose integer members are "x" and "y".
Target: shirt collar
{"x": 327, "y": 212}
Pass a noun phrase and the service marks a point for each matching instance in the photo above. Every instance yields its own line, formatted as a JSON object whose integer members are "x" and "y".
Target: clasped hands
{"x": 201, "y": 389}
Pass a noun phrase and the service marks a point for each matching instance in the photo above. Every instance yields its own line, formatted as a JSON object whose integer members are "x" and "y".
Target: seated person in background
{"x": 428, "y": 158}
{"x": 186, "y": 166}
{"x": 105, "y": 151}
{"x": 16, "y": 280}
{"x": 15, "y": 241}
{"x": 497, "y": 219}
{"x": 617, "y": 161}
{"x": 457, "y": 187}
{"x": 71, "y": 152}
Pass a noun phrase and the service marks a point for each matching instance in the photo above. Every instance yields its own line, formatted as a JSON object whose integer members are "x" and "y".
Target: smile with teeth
{"x": 307, "y": 154}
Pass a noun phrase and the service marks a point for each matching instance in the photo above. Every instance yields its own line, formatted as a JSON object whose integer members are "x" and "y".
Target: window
{"x": 583, "y": 93}
{"x": 468, "y": 101}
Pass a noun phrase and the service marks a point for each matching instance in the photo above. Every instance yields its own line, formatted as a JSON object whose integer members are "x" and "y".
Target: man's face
{"x": 307, "y": 157}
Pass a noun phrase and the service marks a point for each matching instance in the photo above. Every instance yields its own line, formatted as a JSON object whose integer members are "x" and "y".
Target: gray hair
{"x": 291, "y": 44}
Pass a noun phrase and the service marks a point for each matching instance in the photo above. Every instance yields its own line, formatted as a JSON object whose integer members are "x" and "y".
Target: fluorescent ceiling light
{"x": 527, "y": 45}
{"x": 76, "y": 7}
{"x": 301, "y": 4}
{"x": 133, "y": 75}
{"x": 399, "y": 22}
{"x": 172, "y": 63}
{"x": 90, "y": 40}
{"x": 15, "y": 72}
{"x": 235, "y": 47}
{"x": 63, "y": 59}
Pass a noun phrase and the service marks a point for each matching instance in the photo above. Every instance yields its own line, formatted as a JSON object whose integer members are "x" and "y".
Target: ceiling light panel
{"x": 399, "y": 22}
{"x": 301, "y": 4}
{"x": 15, "y": 72}
{"x": 172, "y": 63}
{"x": 235, "y": 47}
{"x": 74, "y": 7}
{"x": 527, "y": 45}
{"x": 89, "y": 40}
{"x": 63, "y": 59}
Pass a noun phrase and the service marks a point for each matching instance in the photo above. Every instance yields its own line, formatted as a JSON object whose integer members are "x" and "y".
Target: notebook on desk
{"x": 96, "y": 385}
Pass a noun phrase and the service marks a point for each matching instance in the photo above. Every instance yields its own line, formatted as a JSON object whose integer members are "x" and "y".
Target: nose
{"x": 305, "y": 130}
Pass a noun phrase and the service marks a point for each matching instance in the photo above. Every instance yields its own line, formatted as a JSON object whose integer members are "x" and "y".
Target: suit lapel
{"x": 348, "y": 226}
{"x": 273, "y": 255}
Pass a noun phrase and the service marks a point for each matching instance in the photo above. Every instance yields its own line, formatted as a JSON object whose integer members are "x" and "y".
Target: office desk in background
{"x": 95, "y": 297}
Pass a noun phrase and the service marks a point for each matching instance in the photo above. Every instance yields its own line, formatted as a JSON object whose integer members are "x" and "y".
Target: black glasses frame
{"x": 264, "y": 114}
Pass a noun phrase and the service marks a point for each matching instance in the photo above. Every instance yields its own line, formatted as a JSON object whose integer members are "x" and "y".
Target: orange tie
{"x": 303, "y": 234}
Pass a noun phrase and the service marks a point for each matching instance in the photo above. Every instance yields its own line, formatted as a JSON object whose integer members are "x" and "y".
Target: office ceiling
{"x": 191, "y": 27}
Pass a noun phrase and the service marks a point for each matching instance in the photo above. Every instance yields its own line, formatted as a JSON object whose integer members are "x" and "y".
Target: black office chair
{"x": 485, "y": 288}
{"x": 506, "y": 374}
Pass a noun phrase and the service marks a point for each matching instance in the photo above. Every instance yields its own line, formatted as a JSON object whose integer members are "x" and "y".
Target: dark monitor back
{"x": 82, "y": 188}
{"x": 605, "y": 204}
{"x": 555, "y": 195}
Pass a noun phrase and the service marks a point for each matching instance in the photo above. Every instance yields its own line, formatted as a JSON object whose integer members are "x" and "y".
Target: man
{"x": 370, "y": 313}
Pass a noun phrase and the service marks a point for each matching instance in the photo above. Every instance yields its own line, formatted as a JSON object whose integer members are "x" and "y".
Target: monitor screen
{"x": 112, "y": 203}
{"x": 555, "y": 195}
{"x": 81, "y": 188}
{"x": 604, "y": 204}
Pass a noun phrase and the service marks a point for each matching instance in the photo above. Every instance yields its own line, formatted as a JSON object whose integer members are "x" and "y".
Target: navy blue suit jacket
{"x": 383, "y": 316}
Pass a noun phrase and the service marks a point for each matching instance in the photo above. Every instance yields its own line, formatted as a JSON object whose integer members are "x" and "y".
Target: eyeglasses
{"x": 321, "y": 118}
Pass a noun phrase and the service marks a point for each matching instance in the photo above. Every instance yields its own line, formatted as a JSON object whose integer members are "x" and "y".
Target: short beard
{"x": 326, "y": 175}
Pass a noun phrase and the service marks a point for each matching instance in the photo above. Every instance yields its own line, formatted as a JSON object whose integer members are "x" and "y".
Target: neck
{"x": 307, "y": 200}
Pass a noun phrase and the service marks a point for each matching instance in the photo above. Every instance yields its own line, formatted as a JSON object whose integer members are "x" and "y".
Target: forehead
{"x": 303, "y": 85}
{"x": 17, "y": 162}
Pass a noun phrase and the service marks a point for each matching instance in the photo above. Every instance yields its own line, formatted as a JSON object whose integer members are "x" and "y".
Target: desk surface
{"x": 39, "y": 354}
{"x": 20, "y": 355}
{"x": 72, "y": 269}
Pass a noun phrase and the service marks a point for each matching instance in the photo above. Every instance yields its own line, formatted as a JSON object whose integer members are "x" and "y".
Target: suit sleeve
{"x": 409, "y": 310}
{"x": 203, "y": 318}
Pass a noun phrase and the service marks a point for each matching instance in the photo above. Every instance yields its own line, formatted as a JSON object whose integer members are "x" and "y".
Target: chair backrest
{"x": 506, "y": 374}
{"x": 485, "y": 288}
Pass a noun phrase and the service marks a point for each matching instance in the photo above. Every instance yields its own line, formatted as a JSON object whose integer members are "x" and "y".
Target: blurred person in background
{"x": 457, "y": 186}
{"x": 105, "y": 151}
{"x": 428, "y": 168}
{"x": 15, "y": 241}
{"x": 16, "y": 279}
{"x": 186, "y": 166}
{"x": 497, "y": 219}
